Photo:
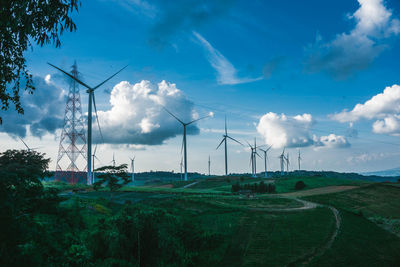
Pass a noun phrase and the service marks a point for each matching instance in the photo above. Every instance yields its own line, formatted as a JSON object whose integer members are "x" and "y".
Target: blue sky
{"x": 264, "y": 64}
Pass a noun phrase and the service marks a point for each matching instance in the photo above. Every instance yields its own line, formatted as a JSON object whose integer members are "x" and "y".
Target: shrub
{"x": 299, "y": 185}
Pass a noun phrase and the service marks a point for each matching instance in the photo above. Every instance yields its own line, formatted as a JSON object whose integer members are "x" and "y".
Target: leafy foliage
{"x": 21, "y": 22}
{"x": 254, "y": 188}
{"x": 114, "y": 177}
{"x": 299, "y": 185}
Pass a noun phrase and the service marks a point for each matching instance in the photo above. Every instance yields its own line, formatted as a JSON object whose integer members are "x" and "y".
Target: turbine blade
{"x": 198, "y": 119}
{"x": 100, "y": 84}
{"x": 269, "y": 148}
{"x": 71, "y": 76}
{"x": 223, "y": 139}
{"x": 182, "y": 146}
{"x": 258, "y": 154}
{"x": 173, "y": 115}
{"x": 94, "y": 152}
{"x": 234, "y": 140}
{"x": 226, "y": 130}
{"x": 24, "y": 143}
{"x": 97, "y": 118}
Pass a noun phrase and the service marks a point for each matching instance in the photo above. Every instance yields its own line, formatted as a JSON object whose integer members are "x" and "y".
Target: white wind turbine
{"x": 90, "y": 91}
{"x": 287, "y": 163}
{"x": 253, "y": 160}
{"x": 133, "y": 168}
{"x": 224, "y": 139}
{"x": 94, "y": 157}
{"x": 209, "y": 165}
{"x": 282, "y": 161}
{"x": 27, "y": 147}
{"x": 299, "y": 159}
{"x": 184, "y": 124}
{"x": 265, "y": 160}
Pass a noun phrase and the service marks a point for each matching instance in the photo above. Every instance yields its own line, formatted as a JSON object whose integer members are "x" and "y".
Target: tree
{"x": 299, "y": 185}
{"x": 114, "y": 177}
{"x": 21, "y": 22}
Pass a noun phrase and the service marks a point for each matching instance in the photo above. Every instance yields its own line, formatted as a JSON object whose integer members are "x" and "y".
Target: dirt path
{"x": 189, "y": 185}
{"x": 305, "y": 260}
{"x": 319, "y": 191}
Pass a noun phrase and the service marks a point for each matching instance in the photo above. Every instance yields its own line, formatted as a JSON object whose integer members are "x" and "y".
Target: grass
{"x": 285, "y": 185}
{"x": 361, "y": 243}
{"x": 373, "y": 200}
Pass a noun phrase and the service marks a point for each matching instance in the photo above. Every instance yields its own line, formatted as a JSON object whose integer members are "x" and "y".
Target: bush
{"x": 299, "y": 185}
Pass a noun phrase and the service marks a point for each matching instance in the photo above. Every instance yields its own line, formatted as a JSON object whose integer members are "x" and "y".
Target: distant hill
{"x": 395, "y": 173}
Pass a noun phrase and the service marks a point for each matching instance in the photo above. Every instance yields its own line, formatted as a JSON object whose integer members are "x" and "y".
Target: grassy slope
{"x": 373, "y": 200}
{"x": 284, "y": 185}
{"x": 361, "y": 243}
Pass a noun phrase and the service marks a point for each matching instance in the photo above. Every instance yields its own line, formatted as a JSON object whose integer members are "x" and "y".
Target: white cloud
{"x": 227, "y": 74}
{"x": 354, "y": 51}
{"x": 137, "y": 117}
{"x": 384, "y": 107}
{"x": 331, "y": 141}
{"x": 294, "y": 131}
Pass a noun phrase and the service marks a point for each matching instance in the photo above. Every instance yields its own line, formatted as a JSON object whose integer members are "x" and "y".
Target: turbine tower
{"x": 282, "y": 161}
{"x": 93, "y": 168}
{"x": 224, "y": 139}
{"x": 92, "y": 102}
{"x": 253, "y": 155}
{"x": 287, "y": 163}
{"x": 185, "y": 124}
{"x": 299, "y": 159}
{"x": 265, "y": 160}
{"x": 71, "y": 165}
{"x": 209, "y": 165}
{"x": 133, "y": 168}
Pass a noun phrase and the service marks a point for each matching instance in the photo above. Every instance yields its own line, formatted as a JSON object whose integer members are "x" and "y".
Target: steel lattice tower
{"x": 71, "y": 161}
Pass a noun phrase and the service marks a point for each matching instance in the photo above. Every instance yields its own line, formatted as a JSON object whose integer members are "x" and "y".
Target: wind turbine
{"x": 184, "y": 124}
{"x": 181, "y": 165}
{"x": 90, "y": 91}
{"x": 287, "y": 163}
{"x": 282, "y": 161}
{"x": 27, "y": 147}
{"x": 133, "y": 168}
{"x": 299, "y": 159}
{"x": 113, "y": 160}
{"x": 253, "y": 160}
{"x": 94, "y": 156}
{"x": 224, "y": 139}
{"x": 265, "y": 160}
{"x": 209, "y": 165}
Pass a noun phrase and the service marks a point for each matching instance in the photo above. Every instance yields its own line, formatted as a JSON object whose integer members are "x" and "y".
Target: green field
{"x": 261, "y": 229}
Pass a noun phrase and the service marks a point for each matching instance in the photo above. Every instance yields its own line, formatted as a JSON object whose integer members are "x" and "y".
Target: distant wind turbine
{"x": 133, "y": 168}
{"x": 265, "y": 160}
{"x": 224, "y": 139}
{"x": 253, "y": 160}
{"x": 209, "y": 165}
{"x": 94, "y": 156}
{"x": 287, "y": 163}
{"x": 282, "y": 161}
{"x": 113, "y": 160}
{"x": 90, "y": 91}
{"x": 184, "y": 124}
{"x": 299, "y": 159}
{"x": 27, "y": 147}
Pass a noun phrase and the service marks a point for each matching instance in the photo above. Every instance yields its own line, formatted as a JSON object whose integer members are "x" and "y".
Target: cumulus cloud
{"x": 137, "y": 115}
{"x": 226, "y": 72}
{"x": 331, "y": 141}
{"x": 383, "y": 107}
{"x": 295, "y": 131}
{"x": 355, "y": 50}
{"x": 43, "y": 114}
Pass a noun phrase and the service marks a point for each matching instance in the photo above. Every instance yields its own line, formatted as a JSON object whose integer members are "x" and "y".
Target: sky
{"x": 316, "y": 76}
